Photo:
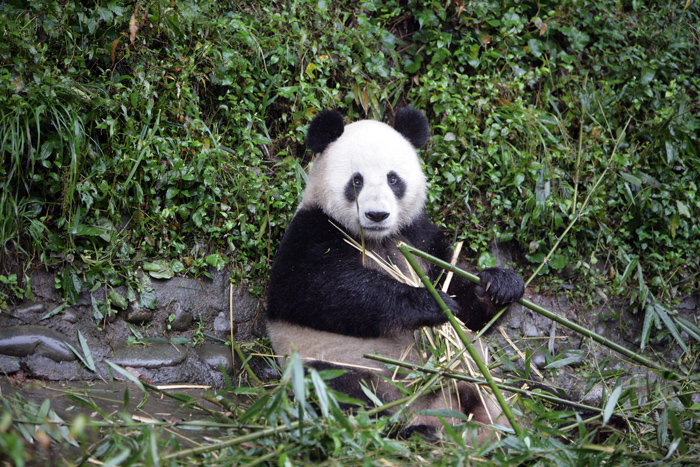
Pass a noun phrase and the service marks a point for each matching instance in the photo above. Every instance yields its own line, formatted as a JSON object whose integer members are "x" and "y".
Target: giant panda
{"x": 332, "y": 305}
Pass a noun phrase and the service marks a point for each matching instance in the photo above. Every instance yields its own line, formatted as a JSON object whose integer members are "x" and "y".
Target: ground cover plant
{"x": 170, "y": 136}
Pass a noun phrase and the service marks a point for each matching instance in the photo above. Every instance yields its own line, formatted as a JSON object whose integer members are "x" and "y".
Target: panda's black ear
{"x": 325, "y": 128}
{"x": 413, "y": 125}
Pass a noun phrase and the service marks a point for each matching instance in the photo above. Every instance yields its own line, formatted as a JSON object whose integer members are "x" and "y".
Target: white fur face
{"x": 369, "y": 180}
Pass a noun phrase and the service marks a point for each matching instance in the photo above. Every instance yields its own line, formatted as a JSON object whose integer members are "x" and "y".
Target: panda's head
{"x": 368, "y": 176}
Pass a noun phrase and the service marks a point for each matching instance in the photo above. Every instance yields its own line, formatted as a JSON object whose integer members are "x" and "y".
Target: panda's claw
{"x": 503, "y": 286}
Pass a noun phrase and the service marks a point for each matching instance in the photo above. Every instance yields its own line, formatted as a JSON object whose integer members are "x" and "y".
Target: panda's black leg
{"x": 468, "y": 399}
{"x": 349, "y": 383}
{"x": 427, "y": 433}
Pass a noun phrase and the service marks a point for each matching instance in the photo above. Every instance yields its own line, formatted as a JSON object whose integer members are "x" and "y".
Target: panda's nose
{"x": 376, "y": 216}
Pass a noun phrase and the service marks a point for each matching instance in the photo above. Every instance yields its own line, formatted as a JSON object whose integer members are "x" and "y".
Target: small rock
{"x": 137, "y": 315}
{"x": 151, "y": 356}
{"x": 539, "y": 360}
{"x": 46, "y": 368}
{"x": 244, "y": 306}
{"x": 22, "y": 341}
{"x": 268, "y": 374}
{"x": 9, "y": 364}
{"x": 216, "y": 355}
{"x": 70, "y": 316}
{"x": 594, "y": 396}
{"x": 530, "y": 330}
{"x": 688, "y": 303}
{"x": 30, "y": 308}
{"x": 515, "y": 320}
{"x": 222, "y": 323}
{"x": 181, "y": 318}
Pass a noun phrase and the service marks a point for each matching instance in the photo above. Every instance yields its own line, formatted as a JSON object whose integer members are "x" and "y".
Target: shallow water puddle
{"x": 67, "y": 418}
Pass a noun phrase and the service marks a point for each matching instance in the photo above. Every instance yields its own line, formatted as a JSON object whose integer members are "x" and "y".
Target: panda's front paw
{"x": 500, "y": 286}
{"x": 450, "y": 302}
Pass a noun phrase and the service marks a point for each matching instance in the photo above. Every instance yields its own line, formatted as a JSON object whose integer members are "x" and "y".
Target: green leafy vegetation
{"x": 299, "y": 420}
{"x": 169, "y": 137}
{"x": 174, "y": 132}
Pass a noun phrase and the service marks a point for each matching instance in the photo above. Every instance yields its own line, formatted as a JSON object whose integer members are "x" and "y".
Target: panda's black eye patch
{"x": 354, "y": 186}
{"x": 397, "y": 184}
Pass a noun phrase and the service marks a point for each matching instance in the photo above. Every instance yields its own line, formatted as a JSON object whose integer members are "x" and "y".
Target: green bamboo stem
{"x": 465, "y": 340}
{"x": 232, "y": 442}
{"x": 505, "y": 387}
{"x": 554, "y": 317}
{"x": 408, "y": 400}
{"x": 236, "y": 350}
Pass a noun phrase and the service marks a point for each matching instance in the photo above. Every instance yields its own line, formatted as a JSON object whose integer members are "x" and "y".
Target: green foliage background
{"x": 175, "y": 131}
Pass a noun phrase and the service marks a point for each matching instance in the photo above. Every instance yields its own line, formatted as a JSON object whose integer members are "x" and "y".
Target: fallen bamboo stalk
{"x": 554, "y": 317}
{"x": 465, "y": 340}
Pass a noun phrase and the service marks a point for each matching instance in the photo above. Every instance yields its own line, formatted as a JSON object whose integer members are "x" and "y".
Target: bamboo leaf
{"x": 662, "y": 312}
{"x": 119, "y": 458}
{"x": 444, "y": 413}
{"x": 126, "y": 398}
{"x": 677, "y": 431}
{"x": 672, "y": 448}
{"x": 610, "y": 405}
{"x": 321, "y": 391}
{"x": 77, "y": 354}
{"x": 646, "y": 328}
{"x": 255, "y": 409}
{"x": 297, "y": 376}
{"x": 126, "y": 374}
{"x": 372, "y": 396}
{"x": 55, "y": 311}
{"x": 692, "y": 330}
{"x": 44, "y": 409}
{"x": 89, "y": 362}
{"x": 631, "y": 267}
{"x": 662, "y": 428}
{"x": 563, "y": 362}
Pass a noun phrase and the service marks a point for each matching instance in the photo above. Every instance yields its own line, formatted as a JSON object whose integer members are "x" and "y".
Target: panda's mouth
{"x": 375, "y": 232}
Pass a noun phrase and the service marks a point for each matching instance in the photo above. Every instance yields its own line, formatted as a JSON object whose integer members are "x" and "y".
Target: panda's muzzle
{"x": 376, "y": 216}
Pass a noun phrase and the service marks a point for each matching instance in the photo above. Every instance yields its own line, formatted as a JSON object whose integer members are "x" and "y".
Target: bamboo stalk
{"x": 232, "y": 442}
{"x": 554, "y": 317}
{"x": 235, "y": 348}
{"x": 470, "y": 379}
{"x": 467, "y": 344}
